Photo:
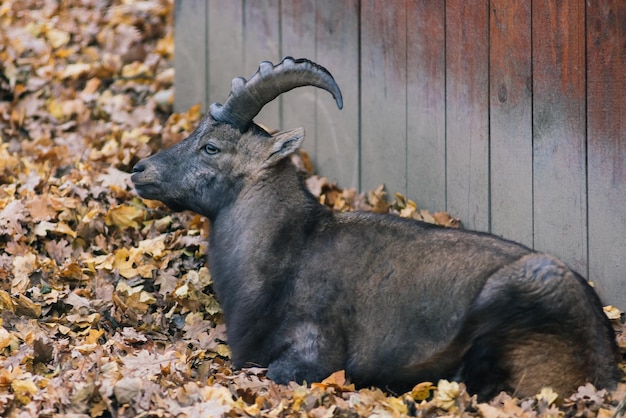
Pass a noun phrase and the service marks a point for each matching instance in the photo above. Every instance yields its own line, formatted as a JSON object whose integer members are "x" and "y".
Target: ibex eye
{"x": 211, "y": 149}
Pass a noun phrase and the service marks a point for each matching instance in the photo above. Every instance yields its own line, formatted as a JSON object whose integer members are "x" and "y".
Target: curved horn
{"x": 247, "y": 98}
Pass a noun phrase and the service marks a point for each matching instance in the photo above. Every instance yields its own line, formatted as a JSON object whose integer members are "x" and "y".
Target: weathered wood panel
{"x": 299, "y": 106}
{"x": 327, "y": 32}
{"x": 261, "y": 42}
{"x": 190, "y": 78}
{"x": 383, "y": 91}
{"x": 224, "y": 37}
{"x": 467, "y": 111}
{"x": 606, "y": 147}
{"x": 510, "y": 98}
{"x": 338, "y": 131}
{"x": 559, "y": 184}
{"x": 426, "y": 103}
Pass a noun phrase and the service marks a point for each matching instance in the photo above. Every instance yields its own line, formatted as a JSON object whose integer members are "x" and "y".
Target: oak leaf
{"x": 23, "y": 266}
{"x": 10, "y": 218}
{"x": 446, "y": 395}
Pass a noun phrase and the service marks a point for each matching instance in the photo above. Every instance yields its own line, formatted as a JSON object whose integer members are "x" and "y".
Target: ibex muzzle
{"x": 307, "y": 291}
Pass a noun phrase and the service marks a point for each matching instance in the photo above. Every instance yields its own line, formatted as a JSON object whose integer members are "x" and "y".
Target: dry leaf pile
{"x": 106, "y": 303}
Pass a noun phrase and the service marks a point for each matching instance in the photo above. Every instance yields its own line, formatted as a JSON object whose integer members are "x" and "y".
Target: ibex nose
{"x": 139, "y": 167}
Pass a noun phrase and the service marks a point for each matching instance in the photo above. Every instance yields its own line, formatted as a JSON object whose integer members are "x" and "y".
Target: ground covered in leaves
{"x": 106, "y": 303}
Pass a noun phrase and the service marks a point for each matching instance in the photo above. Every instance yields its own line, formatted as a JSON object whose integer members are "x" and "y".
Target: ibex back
{"x": 306, "y": 291}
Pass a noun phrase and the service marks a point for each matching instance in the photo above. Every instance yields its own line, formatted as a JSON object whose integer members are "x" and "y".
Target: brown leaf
{"x": 39, "y": 209}
{"x": 10, "y": 217}
{"x": 23, "y": 266}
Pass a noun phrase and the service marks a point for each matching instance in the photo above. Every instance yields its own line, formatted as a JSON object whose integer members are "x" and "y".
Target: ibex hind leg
{"x": 522, "y": 365}
{"x": 536, "y": 323}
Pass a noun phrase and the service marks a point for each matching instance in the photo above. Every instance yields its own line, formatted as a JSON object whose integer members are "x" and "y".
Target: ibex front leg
{"x": 307, "y": 353}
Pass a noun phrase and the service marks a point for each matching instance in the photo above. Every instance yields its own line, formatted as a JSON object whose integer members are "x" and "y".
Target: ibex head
{"x": 207, "y": 170}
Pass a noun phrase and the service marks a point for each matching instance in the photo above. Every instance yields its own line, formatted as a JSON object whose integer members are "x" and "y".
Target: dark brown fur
{"x": 307, "y": 291}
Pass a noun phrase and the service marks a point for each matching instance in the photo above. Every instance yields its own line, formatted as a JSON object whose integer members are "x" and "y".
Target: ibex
{"x": 306, "y": 291}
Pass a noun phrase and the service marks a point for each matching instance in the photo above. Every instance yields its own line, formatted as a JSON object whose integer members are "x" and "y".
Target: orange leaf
{"x": 336, "y": 380}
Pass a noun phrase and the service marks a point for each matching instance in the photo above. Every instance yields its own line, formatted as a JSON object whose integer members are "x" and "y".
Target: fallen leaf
{"x": 422, "y": 391}
{"x": 125, "y": 216}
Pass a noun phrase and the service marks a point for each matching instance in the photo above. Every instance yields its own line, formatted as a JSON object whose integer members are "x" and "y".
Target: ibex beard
{"x": 307, "y": 291}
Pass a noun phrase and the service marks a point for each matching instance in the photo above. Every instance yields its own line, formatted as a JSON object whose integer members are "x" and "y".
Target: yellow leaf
{"x": 64, "y": 228}
{"x": 94, "y": 336}
{"x": 24, "y": 387}
{"x": 135, "y": 69}
{"x": 134, "y": 303}
{"x": 90, "y": 216}
{"x": 104, "y": 261}
{"x": 145, "y": 297}
{"x": 124, "y": 264}
{"x": 165, "y": 46}
{"x": 409, "y": 209}
{"x": 182, "y": 291}
{"x": 427, "y": 217}
{"x": 125, "y": 216}
{"x": 612, "y": 312}
{"x": 123, "y": 287}
{"x": 43, "y": 227}
{"x": 145, "y": 270}
{"x": 154, "y": 246}
{"x": 547, "y": 395}
{"x": 7, "y": 375}
{"x": 84, "y": 321}
{"x": 446, "y": 394}
{"x": 57, "y": 38}
{"x": 75, "y": 70}
{"x": 396, "y": 405}
{"x": 421, "y": 391}
{"x": 488, "y": 411}
{"x": 135, "y": 135}
{"x": 376, "y": 198}
{"x": 5, "y": 338}
{"x": 223, "y": 350}
{"x": 6, "y": 303}
{"x": 199, "y": 279}
{"x": 86, "y": 348}
{"x": 55, "y": 108}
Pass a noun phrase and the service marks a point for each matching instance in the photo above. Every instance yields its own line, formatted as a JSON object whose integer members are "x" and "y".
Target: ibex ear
{"x": 284, "y": 144}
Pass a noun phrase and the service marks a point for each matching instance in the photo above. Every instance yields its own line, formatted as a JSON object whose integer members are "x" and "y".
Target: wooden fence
{"x": 510, "y": 115}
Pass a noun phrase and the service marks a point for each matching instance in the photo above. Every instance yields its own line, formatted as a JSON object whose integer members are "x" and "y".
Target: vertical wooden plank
{"x": 559, "y": 179}
{"x": 299, "y": 106}
{"x": 190, "y": 54}
{"x": 383, "y": 95}
{"x": 467, "y": 112}
{"x": 338, "y": 130}
{"x": 261, "y": 42}
{"x": 426, "y": 101}
{"x": 606, "y": 147}
{"x": 224, "y": 47}
{"x": 511, "y": 154}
